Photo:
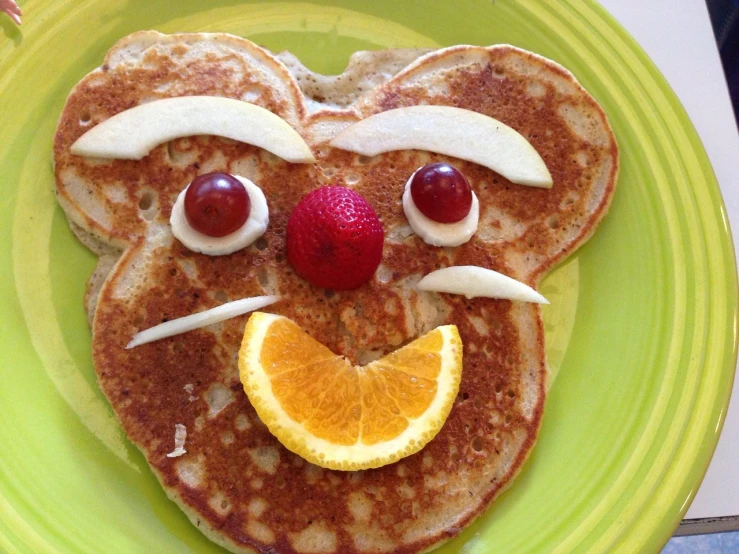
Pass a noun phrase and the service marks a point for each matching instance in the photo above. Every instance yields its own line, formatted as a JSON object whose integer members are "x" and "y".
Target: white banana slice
{"x": 251, "y": 230}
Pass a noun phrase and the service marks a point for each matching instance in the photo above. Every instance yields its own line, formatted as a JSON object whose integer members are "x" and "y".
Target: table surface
{"x": 679, "y": 39}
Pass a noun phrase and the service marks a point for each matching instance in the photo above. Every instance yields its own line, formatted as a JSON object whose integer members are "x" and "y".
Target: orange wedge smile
{"x": 341, "y": 416}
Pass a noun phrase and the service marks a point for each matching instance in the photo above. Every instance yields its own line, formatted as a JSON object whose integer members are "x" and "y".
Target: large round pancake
{"x": 236, "y": 482}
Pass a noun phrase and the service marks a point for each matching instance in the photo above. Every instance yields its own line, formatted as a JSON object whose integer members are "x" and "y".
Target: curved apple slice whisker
{"x": 201, "y": 319}
{"x": 473, "y": 281}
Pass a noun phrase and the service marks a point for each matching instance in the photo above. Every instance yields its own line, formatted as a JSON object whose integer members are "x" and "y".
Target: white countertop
{"x": 678, "y": 37}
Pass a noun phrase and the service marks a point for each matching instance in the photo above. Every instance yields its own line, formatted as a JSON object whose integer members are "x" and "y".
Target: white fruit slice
{"x": 435, "y": 233}
{"x": 180, "y": 436}
{"x": 132, "y": 134}
{"x": 473, "y": 281}
{"x": 201, "y": 319}
{"x": 251, "y": 230}
{"x": 451, "y": 131}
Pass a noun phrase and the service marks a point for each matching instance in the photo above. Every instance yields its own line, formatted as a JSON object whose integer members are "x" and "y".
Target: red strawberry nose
{"x": 334, "y": 239}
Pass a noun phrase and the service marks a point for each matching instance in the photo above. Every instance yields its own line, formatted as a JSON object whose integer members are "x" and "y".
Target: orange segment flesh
{"x": 303, "y": 392}
{"x": 337, "y": 418}
{"x": 411, "y": 394}
{"x": 289, "y": 345}
{"x": 420, "y": 358}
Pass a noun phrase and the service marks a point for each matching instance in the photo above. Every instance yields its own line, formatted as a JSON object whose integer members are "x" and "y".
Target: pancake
{"x": 236, "y": 483}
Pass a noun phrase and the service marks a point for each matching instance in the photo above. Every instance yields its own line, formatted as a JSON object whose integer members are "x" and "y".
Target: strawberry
{"x": 334, "y": 238}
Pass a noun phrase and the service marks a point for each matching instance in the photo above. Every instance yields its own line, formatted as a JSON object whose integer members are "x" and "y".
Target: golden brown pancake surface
{"x": 236, "y": 482}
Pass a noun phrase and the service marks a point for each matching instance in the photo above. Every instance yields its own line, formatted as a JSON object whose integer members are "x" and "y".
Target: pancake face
{"x": 236, "y": 482}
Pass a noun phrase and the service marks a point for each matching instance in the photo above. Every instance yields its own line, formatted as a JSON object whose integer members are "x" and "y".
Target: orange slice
{"x": 341, "y": 416}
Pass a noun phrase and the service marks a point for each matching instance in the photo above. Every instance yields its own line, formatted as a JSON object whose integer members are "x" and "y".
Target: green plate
{"x": 641, "y": 329}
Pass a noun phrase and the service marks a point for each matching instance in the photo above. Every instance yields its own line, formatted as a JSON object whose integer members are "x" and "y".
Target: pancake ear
{"x": 533, "y": 228}
{"x": 117, "y": 201}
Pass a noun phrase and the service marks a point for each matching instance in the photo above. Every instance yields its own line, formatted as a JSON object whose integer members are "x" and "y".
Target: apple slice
{"x": 201, "y": 319}
{"x": 473, "y": 281}
{"x": 132, "y": 134}
{"x": 455, "y": 132}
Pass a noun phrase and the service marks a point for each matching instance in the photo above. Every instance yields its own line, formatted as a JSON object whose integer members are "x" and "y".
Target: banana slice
{"x": 435, "y": 233}
{"x": 253, "y": 228}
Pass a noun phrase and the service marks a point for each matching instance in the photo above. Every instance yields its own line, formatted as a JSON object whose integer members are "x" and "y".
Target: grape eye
{"x": 440, "y": 205}
{"x": 216, "y": 204}
{"x": 441, "y": 192}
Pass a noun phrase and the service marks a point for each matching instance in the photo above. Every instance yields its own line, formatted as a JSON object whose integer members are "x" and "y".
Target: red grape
{"x": 441, "y": 193}
{"x": 216, "y": 204}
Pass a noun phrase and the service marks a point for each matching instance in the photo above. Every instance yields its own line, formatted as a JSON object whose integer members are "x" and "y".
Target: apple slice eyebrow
{"x": 457, "y": 132}
{"x": 133, "y": 133}
{"x": 473, "y": 281}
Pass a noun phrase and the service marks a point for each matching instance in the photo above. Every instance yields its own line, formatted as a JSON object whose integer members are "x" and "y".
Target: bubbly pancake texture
{"x": 236, "y": 482}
